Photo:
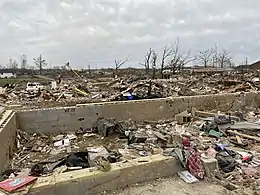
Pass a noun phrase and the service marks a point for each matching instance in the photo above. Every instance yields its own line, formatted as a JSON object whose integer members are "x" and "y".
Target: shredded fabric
{"x": 194, "y": 164}
{"x": 190, "y": 158}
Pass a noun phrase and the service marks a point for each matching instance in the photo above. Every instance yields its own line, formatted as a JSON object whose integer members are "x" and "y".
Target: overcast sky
{"x": 97, "y": 32}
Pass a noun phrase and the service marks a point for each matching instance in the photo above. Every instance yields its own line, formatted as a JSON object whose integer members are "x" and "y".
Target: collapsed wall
{"x": 68, "y": 119}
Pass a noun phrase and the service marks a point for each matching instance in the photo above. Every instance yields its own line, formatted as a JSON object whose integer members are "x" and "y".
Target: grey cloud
{"x": 98, "y": 31}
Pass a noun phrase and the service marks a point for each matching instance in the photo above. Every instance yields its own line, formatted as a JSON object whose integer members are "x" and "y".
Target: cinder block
{"x": 183, "y": 117}
{"x": 210, "y": 165}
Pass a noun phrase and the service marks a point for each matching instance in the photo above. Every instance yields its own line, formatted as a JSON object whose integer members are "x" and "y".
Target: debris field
{"x": 69, "y": 91}
{"x": 222, "y": 148}
{"x": 228, "y": 141}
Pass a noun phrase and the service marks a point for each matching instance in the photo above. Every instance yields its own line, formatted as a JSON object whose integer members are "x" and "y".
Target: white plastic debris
{"x": 187, "y": 177}
{"x": 64, "y": 142}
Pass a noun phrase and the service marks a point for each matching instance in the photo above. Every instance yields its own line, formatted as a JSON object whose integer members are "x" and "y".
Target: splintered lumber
{"x": 238, "y": 138}
{"x": 244, "y": 135}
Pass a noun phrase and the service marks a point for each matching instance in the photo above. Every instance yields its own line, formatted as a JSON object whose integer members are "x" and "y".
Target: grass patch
{"x": 21, "y": 80}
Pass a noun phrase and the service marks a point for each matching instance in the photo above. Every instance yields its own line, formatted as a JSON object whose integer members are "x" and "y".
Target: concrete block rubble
{"x": 70, "y": 91}
{"x": 219, "y": 147}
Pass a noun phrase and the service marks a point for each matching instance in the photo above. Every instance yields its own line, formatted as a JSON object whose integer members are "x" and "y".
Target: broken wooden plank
{"x": 238, "y": 138}
{"x": 244, "y": 135}
{"x": 199, "y": 113}
{"x": 62, "y": 94}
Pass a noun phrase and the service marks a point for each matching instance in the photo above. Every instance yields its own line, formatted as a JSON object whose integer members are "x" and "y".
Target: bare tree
{"x": 23, "y": 61}
{"x": 119, "y": 63}
{"x": 224, "y": 59}
{"x": 179, "y": 59}
{"x": 40, "y": 63}
{"x": 186, "y": 58}
{"x": 205, "y": 57}
{"x": 147, "y": 59}
{"x": 153, "y": 61}
{"x": 167, "y": 52}
{"x": 12, "y": 64}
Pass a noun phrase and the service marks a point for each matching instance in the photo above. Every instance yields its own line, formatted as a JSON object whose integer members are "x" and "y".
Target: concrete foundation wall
{"x": 84, "y": 182}
{"x": 7, "y": 137}
{"x": 66, "y": 119}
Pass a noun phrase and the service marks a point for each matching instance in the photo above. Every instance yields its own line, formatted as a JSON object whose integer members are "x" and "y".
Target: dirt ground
{"x": 172, "y": 186}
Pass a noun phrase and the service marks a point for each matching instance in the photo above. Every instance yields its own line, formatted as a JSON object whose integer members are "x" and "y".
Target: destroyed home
{"x": 71, "y": 129}
{"x": 213, "y": 137}
{"x": 97, "y": 100}
{"x": 44, "y": 91}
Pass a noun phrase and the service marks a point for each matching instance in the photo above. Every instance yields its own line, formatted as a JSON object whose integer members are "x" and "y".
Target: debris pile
{"x": 227, "y": 145}
{"x": 223, "y": 147}
{"x": 76, "y": 91}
